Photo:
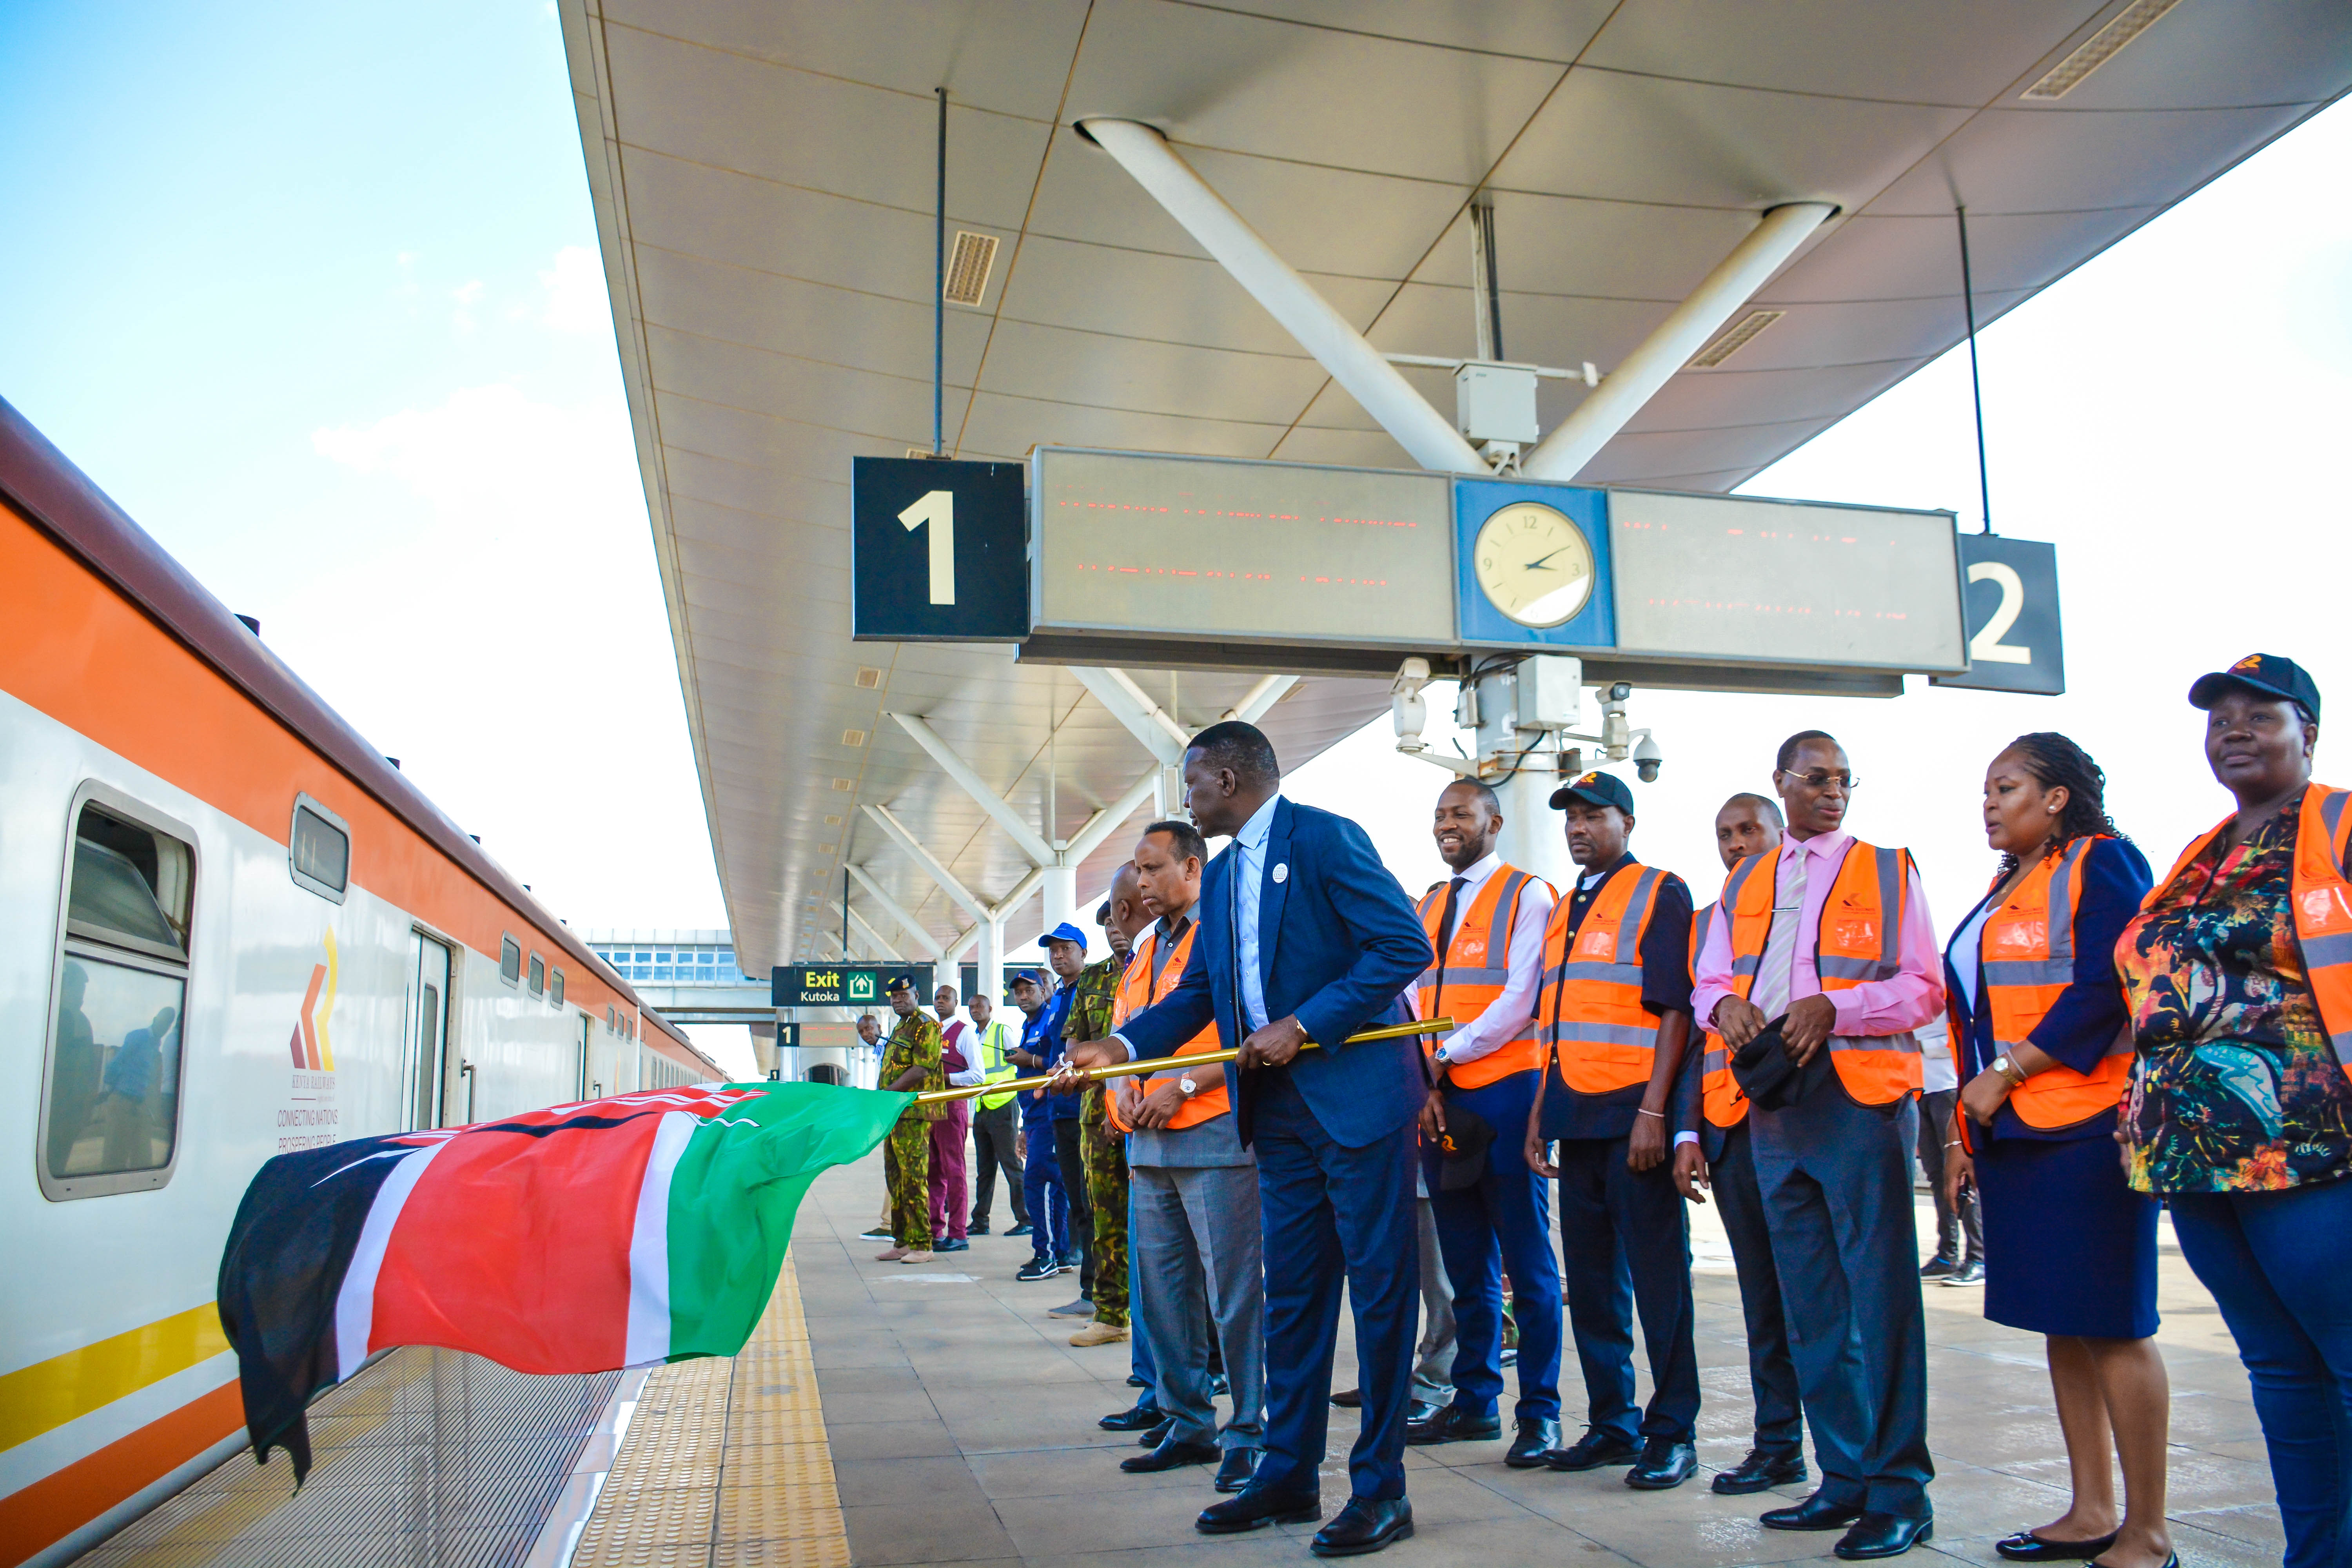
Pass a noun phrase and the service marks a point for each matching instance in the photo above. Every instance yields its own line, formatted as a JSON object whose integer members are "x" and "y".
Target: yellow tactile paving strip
{"x": 725, "y": 1464}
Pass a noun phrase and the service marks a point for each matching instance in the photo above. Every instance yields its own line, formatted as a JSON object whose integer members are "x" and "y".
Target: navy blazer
{"x": 1338, "y": 943}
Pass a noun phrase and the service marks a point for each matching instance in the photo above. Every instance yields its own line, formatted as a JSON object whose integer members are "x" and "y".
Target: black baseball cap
{"x": 2266, "y": 673}
{"x": 1595, "y": 789}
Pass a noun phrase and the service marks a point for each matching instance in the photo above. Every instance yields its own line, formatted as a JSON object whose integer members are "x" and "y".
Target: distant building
{"x": 677, "y": 957}
{"x": 691, "y": 977}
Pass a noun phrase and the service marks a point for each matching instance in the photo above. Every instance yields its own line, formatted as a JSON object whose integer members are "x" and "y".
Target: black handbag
{"x": 1765, "y": 1074}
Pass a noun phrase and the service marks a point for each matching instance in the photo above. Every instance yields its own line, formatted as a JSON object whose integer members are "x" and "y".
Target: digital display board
{"x": 1200, "y": 548}
{"x": 1738, "y": 579}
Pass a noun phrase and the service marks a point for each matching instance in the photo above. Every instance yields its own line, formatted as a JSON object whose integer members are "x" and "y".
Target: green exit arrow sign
{"x": 842, "y": 984}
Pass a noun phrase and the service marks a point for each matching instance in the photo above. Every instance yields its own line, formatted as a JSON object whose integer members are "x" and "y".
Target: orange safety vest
{"x": 2025, "y": 961}
{"x": 1593, "y": 1023}
{"x": 1860, "y": 941}
{"x": 1136, "y": 992}
{"x": 1469, "y": 976}
{"x": 2323, "y": 907}
{"x": 1720, "y": 1095}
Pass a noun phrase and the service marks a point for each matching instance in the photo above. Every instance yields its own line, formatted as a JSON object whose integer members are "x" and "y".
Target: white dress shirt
{"x": 956, "y": 1027}
{"x": 1523, "y": 967}
{"x": 1249, "y": 876}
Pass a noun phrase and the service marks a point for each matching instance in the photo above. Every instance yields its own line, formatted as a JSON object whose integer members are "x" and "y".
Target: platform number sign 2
{"x": 2012, "y": 600}
{"x": 937, "y": 550}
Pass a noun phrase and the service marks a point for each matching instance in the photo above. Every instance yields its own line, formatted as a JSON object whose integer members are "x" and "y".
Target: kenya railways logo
{"x": 313, "y": 1051}
{"x": 310, "y": 1118}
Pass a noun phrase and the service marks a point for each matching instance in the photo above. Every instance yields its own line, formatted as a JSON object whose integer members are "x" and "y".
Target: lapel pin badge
{"x": 1282, "y": 872}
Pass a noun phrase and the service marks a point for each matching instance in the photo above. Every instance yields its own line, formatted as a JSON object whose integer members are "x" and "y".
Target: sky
{"x": 318, "y": 300}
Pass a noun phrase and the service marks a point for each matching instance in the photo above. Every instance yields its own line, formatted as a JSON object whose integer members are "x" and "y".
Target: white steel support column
{"x": 1262, "y": 698}
{"x": 992, "y": 960}
{"x": 906, "y": 922}
{"x": 1061, "y": 886}
{"x": 1428, "y": 435}
{"x": 1534, "y": 837}
{"x": 1611, "y": 407}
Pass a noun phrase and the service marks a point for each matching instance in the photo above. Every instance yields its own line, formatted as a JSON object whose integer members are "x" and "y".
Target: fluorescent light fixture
{"x": 2099, "y": 48}
{"x": 967, "y": 267}
{"x": 1741, "y": 334}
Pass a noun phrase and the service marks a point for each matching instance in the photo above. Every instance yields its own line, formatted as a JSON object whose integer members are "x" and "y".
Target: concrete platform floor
{"x": 962, "y": 1426}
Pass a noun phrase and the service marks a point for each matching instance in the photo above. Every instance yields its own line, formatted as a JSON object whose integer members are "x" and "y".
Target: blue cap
{"x": 1030, "y": 976}
{"x": 1595, "y": 789}
{"x": 2265, "y": 673}
{"x": 1065, "y": 931}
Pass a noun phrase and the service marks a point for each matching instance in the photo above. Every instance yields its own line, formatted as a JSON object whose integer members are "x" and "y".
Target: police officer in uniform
{"x": 1615, "y": 1015}
{"x": 1486, "y": 925}
{"x": 911, "y": 1064}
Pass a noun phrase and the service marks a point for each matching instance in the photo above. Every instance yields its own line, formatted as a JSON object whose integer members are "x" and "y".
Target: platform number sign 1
{"x": 2010, "y": 587}
{"x": 937, "y": 550}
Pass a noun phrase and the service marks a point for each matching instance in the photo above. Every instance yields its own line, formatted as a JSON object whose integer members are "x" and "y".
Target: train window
{"x": 319, "y": 849}
{"x": 538, "y": 975}
{"x": 111, "y": 1109}
{"x": 555, "y": 988}
{"x": 509, "y": 960}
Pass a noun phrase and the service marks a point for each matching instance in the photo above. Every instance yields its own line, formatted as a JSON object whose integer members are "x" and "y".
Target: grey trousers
{"x": 1199, "y": 1254}
{"x": 1835, "y": 1178}
{"x": 1432, "y": 1365}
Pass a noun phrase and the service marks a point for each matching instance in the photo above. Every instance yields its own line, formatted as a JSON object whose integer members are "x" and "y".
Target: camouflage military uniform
{"x": 1105, "y": 1146}
{"x": 907, "y": 1157}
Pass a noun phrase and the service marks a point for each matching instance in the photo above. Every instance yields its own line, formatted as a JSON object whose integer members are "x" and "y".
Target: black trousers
{"x": 1069, "y": 1151}
{"x": 996, "y": 1143}
{"x": 1771, "y": 1370}
{"x": 1625, "y": 1241}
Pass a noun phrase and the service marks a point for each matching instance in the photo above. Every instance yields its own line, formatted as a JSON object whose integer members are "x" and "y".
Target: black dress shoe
{"x": 1218, "y": 1384}
{"x": 1023, "y": 1228}
{"x": 1240, "y": 1464}
{"x": 1135, "y": 1381}
{"x": 1168, "y": 1455}
{"x": 1884, "y": 1535}
{"x": 1816, "y": 1512}
{"x": 1349, "y": 1399}
{"x": 1760, "y": 1472}
{"x": 978, "y": 1228}
{"x": 1256, "y": 1508}
{"x": 1664, "y": 1464}
{"x": 1366, "y": 1524}
{"x": 1157, "y": 1433}
{"x": 1134, "y": 1418}
{"x": 2027, "y": 1547}
{"x": 1452, "y": 1423}
{"x": 1536, "y": 1438}
{"x": 1968, "y": 1273}
{"x": 1591, "y": 1451}
{"x": 1421, "y": 1410}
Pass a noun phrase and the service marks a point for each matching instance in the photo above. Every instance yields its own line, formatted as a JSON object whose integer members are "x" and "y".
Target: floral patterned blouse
{"x": 2236, "y": 1088}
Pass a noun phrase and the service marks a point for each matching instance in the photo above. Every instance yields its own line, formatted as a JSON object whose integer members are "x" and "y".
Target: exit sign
{"x": 842, "y": 984}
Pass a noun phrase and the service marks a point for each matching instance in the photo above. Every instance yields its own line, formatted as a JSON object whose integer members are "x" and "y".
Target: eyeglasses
{"x": 1822, "y": 778}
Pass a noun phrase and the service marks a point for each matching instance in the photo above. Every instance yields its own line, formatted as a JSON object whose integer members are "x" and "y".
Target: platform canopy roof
{"x": 763, "y": 172}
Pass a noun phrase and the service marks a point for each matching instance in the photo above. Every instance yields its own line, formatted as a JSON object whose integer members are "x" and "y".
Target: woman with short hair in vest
{"x": 2038, "y": 1035}
{"x": 2238, "y": 973}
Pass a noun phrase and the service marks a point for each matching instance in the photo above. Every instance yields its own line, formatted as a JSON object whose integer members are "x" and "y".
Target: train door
{"x": 587, "y": 1037}
{"x": 428, "y": 1030}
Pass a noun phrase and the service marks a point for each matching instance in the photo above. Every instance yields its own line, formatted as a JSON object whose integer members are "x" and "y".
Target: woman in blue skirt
{"x": 2040, "y": 1037}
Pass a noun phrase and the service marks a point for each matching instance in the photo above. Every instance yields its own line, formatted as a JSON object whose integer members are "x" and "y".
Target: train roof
{"x": 41, "y": 482}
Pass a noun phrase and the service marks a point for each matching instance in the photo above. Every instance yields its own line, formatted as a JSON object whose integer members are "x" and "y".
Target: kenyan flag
{"x": 618, "y": 1232}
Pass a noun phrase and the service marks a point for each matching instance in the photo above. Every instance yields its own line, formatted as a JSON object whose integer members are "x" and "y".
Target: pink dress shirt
{"x": 1911, "y": 1000}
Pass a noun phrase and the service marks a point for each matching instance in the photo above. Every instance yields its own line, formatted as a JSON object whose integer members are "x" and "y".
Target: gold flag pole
{"x": 1164, "y": 1064}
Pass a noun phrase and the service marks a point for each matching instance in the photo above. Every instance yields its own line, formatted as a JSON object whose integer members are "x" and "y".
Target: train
{"x": 229, "y": 928}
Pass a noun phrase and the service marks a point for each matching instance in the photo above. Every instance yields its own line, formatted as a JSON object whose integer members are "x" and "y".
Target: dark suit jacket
{"x": 1339, "y": 942}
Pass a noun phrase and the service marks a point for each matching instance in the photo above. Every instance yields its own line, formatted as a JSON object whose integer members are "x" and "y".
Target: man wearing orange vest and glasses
{"x": 1713, "y": 1150}
{"x": 1614, "y": 1018}
{"x": 1198, "y": 1251}
{"x": 1486, "y": 923}
{"x": 1829, "y": 938}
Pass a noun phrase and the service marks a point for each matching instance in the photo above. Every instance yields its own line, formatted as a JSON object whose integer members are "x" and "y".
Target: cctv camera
{"x": 1648, "y": 759}
{"x": 1620, "y": 692}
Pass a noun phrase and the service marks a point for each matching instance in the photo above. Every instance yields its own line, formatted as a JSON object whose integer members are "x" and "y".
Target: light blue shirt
{"x": 1249, "y": 879}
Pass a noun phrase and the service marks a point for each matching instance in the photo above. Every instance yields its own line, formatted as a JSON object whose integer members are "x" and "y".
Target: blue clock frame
{"x": 1476, "y": 618}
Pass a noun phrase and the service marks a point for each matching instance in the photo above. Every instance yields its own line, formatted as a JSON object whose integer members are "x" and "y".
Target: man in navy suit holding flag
{"x": 1305, "y": 936}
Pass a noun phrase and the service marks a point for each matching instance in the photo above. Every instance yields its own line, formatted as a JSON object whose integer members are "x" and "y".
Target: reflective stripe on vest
{"x": 1720, "y": 1093}
{"x": 2322, "y": 898}
{"x": 996, "y": 1069}
{"x": 1137, "y": 992}
{"x": 1859, "y": 939}
{"x": 1471, "y": 974}
{"x": 2025, "y": 961}
{"x": 1594, "y": 1023}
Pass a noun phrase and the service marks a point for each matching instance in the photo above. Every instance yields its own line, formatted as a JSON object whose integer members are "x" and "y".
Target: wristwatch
{"x": 1188, "y": 1087}
{"x": 2008, "y": 1069}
